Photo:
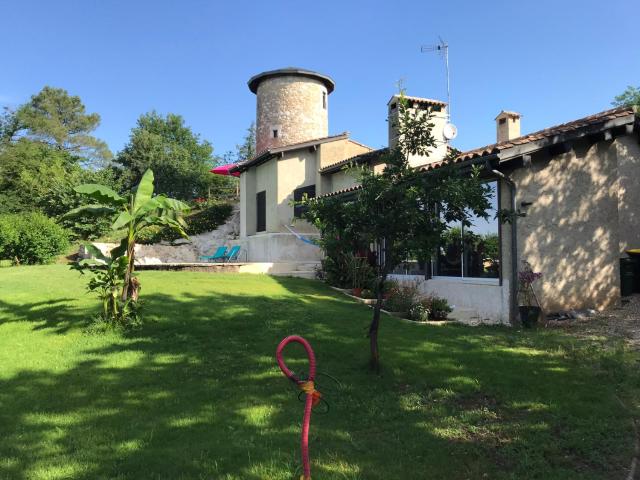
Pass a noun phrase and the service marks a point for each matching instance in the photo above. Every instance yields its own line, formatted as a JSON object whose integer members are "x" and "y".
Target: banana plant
{"x": 106, "y": 281}
{"x": 132, "y": 212}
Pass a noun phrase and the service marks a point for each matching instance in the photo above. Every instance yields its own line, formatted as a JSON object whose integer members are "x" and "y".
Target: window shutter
{"x": 261, "y": 211}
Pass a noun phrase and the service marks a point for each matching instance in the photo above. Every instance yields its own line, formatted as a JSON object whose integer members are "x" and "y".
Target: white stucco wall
{"x": 295, "y": 170}
{"x": 473, "y": 300}
{"x": 341, "y": 180}
{"x": 279, "y": 247}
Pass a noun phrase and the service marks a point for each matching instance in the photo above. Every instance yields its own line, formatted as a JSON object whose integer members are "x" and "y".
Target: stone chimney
{"x": 507, "y": 126}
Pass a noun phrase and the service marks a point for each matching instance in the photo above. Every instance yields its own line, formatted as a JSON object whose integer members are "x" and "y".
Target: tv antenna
{"x": 442, "y": 48}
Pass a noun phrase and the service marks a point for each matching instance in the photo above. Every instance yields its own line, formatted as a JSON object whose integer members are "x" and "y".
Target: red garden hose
{"x": 308, "y": 387}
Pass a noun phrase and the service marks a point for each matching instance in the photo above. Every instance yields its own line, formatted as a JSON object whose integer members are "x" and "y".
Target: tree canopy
{"x": 628, "y": 98}
{"x": 403, "y": 210}
{"x": 59, "y": 120}
{"x": 180, "y": 159}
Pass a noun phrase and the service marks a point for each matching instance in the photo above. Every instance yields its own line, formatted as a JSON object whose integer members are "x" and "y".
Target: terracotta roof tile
{"x": 285, "y": 148}
{"x": 563, "y": 128}
{"x": 591, "y": 120}
{"x": 357, "y": 159}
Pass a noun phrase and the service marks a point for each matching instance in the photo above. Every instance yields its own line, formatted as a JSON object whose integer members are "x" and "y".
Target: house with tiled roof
{"x": 575, "y": 186}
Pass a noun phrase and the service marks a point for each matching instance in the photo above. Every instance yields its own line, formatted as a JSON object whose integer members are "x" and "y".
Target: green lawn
{"x": 196, "y": 393}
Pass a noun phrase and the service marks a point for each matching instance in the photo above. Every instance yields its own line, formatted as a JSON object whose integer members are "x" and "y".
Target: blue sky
{"x": 553, "y": 61}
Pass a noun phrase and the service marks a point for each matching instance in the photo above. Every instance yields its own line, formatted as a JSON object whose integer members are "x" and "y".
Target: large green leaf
{"x": 144, "y": 191}
{"x": 151, "y": 205}
{"x": 120, "y": 250}
{"x": 89, "y": 210}
{"x": 100, "y": 193}
{"x": 123, "y": 219}
{"x": 172, "y": 204}
{"x": 96, "y": 252}
{"x": 165, "y": 220}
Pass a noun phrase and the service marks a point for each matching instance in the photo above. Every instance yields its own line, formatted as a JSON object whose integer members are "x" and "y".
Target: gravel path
{"x": 621, "y": 322}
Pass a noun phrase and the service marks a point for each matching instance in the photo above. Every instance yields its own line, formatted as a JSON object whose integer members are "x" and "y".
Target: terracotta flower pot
{"x": 357, "y": 292}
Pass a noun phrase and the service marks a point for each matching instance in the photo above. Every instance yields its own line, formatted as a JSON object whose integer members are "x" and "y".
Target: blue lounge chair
{"x": 233, "y": 254}
{"x": 219, "y": 255}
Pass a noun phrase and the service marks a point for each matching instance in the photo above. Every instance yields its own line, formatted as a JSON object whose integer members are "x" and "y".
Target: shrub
{"x": 8, "y": 235}
{"x": 402, "y": 297}
{"x": 206, "y": 217}
{"x": 335, "y": 273}
{"x": 368, "y": 293}
{"x": 419, "y": 312}
{"x": 31, "y": 238}
{"x": 440, "y": 308}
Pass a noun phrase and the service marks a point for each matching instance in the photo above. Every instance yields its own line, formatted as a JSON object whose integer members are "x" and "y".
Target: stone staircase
{"x": 295, "y": 269}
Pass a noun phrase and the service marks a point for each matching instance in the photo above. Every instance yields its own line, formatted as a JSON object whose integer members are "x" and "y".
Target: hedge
{"x": 31, "y": 238}
{"x": 203, "y": 219}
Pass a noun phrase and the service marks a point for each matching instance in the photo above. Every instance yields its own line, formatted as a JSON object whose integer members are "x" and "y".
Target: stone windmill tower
{"x": 292, "y": 106}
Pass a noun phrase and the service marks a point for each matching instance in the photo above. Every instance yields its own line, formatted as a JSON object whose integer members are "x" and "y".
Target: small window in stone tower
{"x": 275, "y": 134}
{"x": 502, "y": 120}
{"x": 324, "y": 100}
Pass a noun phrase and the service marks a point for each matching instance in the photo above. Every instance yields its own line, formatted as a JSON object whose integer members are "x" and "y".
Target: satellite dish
{"x": 450, "y": 131}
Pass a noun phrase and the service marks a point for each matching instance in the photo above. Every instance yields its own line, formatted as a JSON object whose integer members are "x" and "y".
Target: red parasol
{"x": 225, "y": 170}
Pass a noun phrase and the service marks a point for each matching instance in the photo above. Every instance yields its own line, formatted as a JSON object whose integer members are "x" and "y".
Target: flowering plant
{"x": 526, "y": 279}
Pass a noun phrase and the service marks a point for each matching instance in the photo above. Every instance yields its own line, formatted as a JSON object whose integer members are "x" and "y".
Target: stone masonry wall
{"x": 293, "y": 105}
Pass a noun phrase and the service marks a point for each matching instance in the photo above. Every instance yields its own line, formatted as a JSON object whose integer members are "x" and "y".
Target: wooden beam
{"x": 526, "y": 161}
{"x": 608, "y": 136}
{"x": 560, "y": 148}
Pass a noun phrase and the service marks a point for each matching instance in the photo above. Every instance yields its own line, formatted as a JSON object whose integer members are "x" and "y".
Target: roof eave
{"x": 537, "y": 145}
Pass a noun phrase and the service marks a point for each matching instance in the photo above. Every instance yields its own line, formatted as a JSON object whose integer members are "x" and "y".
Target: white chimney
{"x": 507, "y": 126}
{"x": 439, "y": 119}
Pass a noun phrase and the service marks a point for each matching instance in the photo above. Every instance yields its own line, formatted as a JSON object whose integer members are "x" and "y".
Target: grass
{"x": 196, "y": 394}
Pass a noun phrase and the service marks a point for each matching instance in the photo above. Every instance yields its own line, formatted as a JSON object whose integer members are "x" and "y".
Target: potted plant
{"x": 529, "y": 312}
{"x": 360, "y": 271}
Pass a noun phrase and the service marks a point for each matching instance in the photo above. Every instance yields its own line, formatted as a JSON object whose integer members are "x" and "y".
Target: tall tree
{"x": 59, "y": 120}
{"x": 247, "y": 148}
{"x": 180, "y": 159}
{"x": 43, "y": 144}
{"x": 402, "y": 210}
{"x": 630, "y": 97}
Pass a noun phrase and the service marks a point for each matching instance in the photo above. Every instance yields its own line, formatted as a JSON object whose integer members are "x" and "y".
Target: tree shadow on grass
{"x": 196, "y": 393}
{"x": 59, "y": 315}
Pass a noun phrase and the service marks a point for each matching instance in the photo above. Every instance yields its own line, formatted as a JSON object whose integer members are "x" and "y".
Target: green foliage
{"x": 335, "y": 272}
{"x": 204, "y": 218}
{"x": 247, "y": 148}
{"x": 28, "y": 171}
{"x": 401, "y": 297}
{"x": 629, "y": 98}
{"x": 42, "y": 147}
{"x": 9, "y": 235}
{"x": 419, "y": 312}
{"x": 62, "y": 197}
{"x": 31, "y": 238}
{"x": 133, "y": 212}
{"x": 108, "y": 276}
{"x": 358, "y": 271}
{"x": 502, "y": 404}
{"x": 402, "y": 209}
{"x": 180, "y": 159}
{"x": 440, "y": 308}
{"x": 60, "y": 120}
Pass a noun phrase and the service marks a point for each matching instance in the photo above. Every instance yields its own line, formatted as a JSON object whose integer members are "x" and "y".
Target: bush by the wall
{"x": 204, "y": 218}
{"x": 31, "y": 238}
{"x": 8, "y": 234}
